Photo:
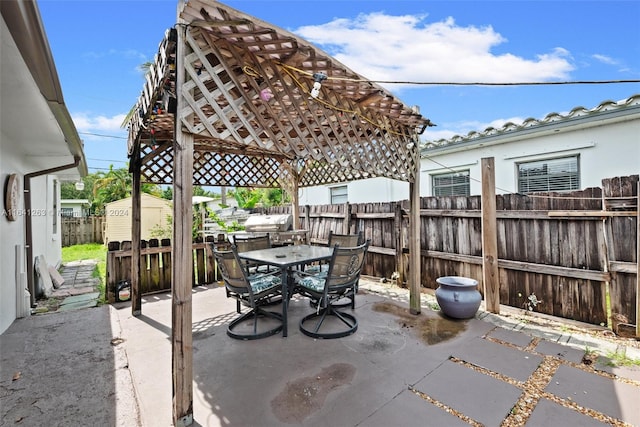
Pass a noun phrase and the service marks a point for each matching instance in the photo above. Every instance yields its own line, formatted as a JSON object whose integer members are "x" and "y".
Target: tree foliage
{"x": 249, "y": 198}
{"x": 105, "y": 187}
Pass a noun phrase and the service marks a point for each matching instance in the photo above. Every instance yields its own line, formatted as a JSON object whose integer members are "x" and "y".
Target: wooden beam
{"x": 592, "y": 213}
{"x": 346, "y": 222}
{"x": 182, "y": 259}
{"x": 414, "y": 244}
{"x": 490, "y": 275}
{"x": 295, "y": 201}
{"x": 527, "y": 267}
{"x": 136, "y": 237}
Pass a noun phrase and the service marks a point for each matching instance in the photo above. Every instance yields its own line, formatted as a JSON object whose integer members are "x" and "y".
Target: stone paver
{"x": 590, "y": 390}
{"x": 499, "y": 358}
{"x": 81, "y": 298}
{"x": 413, "y": 408}
{"x": 481, "y": 397}
{"x": 547, "y": 413}
{"x": 563, "y": 352}
{"x": 510, "y": 336}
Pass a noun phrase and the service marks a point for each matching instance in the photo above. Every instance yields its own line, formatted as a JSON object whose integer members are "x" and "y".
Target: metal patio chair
{"x": 246, "y": 243}
{"x": 254, "y": 292}
{"x": 338, "y": 283}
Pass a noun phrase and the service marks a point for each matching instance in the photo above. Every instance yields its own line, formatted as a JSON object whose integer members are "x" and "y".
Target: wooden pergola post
{"x": 182, "y": 256}
{"x": 414, "y": 238}
{"x": 136, "y": 239}
{"x": 397, "y": 226}
{"x": 295, "y": 203}
{"x": 490, "y": 276}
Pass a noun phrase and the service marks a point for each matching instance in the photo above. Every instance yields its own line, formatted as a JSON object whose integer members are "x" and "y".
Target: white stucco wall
{"x": 12, "y": 234}
{"x": 45, "y": 241}
{"x": 604, "y": 152}
{"x": 374, "y": 190}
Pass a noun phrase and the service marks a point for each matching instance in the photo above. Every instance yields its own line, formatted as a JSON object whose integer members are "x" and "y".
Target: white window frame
{"x": 459, "y": 180}
{"x": 339, "y": 195}
{"x": 556, "y": 174}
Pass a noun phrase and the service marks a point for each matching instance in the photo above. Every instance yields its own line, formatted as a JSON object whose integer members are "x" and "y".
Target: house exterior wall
{"x": 606, "y": 140}
{"x": 154, "y": 212}
{"x": 11, "y": 231}
{"x": 605, "y": 150}
{"x": 374, "y": 190}
{"x": 77, "y": 206}
{"x": 45, "y": 239}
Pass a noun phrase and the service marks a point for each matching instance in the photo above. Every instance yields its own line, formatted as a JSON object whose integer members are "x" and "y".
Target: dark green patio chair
{"x": 254, "y": 292}
{"x": 337, "y": 284}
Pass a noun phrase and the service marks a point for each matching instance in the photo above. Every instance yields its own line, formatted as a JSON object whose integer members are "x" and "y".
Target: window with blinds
{"x": 451, "y": 184}
{"x": 338, "y": 195}
{"x": 560, "y": 174}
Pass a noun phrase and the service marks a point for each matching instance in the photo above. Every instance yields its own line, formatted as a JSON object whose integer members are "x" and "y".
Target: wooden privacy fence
{"x": 155, "y": 265}
{"x": 575, "y": 252}
{"x": 80, "y": 230}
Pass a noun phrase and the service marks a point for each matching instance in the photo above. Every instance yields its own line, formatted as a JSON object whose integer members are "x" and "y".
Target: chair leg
{"x": 253, "y": 316}
{"x": 311, "y": 324}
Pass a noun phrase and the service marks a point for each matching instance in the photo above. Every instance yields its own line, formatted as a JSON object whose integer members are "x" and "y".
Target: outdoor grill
{"x": 268, "y": 223}
{"x": 279, "y": 227}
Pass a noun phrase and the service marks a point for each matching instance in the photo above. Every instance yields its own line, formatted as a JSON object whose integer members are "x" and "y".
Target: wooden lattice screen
{"x": 246, "y": 100}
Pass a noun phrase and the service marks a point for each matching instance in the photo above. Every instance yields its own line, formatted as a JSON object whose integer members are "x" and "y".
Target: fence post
{"x": 307, "y": 220}
{"x": 346, "y": 223}
{"x": 490, "y": 276}
{"x": 397, "y": 225}
{"x": 638, "y": 262}
{"x": 112, "y": 271}
{"x": 415, "y": 255}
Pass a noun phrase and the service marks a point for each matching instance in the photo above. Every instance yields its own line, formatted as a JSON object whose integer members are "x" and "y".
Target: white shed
{"x": 74, "y": 207}
{"x": 155, "y": 212}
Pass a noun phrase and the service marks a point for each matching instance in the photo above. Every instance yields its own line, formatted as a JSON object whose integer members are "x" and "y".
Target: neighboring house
{"x": 40, "y": 149}
{"x": 561, "y": 152}
{"x": 74, "y": 207}
{"x": 374, "y": 190}
{"x": 155, "y": 214}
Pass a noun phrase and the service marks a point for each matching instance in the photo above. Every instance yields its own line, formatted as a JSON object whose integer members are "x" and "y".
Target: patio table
{"x": 287, "y": 257}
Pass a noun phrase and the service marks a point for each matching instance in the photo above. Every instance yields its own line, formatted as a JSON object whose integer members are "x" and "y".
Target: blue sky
{"x": 98, "y": 46}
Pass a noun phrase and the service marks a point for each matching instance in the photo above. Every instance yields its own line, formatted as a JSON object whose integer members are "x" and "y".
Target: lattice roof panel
{"x": 246, "y": 99}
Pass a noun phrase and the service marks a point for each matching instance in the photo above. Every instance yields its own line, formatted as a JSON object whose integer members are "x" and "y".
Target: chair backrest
{"x": 345, "y": 266}
{"x": 233, "y": 275}
{"x": 345, "y": 240}
{"x": 251, "y": 243}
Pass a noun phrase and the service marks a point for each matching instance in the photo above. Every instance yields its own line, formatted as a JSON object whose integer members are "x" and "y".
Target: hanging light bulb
{"x": 79, "y": 185}
{"x": 266, "y": 94}
{"x": 318, "y": 78}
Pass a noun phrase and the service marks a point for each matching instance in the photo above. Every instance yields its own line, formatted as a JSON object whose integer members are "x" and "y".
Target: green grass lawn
{"x": 96, "y": 251}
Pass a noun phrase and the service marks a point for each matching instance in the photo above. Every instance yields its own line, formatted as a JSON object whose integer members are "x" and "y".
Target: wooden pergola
{"x": 234, "y": 101}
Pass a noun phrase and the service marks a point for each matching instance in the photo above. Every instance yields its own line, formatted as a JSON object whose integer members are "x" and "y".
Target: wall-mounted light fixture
{"x": 318, "y": 78}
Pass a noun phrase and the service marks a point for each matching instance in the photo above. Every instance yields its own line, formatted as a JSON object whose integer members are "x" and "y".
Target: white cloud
{"x": 604, "y": 59}
{"x": 408, "y": 48}
{"x": 87, "y": 123}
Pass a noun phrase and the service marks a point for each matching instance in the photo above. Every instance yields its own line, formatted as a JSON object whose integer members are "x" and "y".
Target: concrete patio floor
{"x": 102, "y": 366}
